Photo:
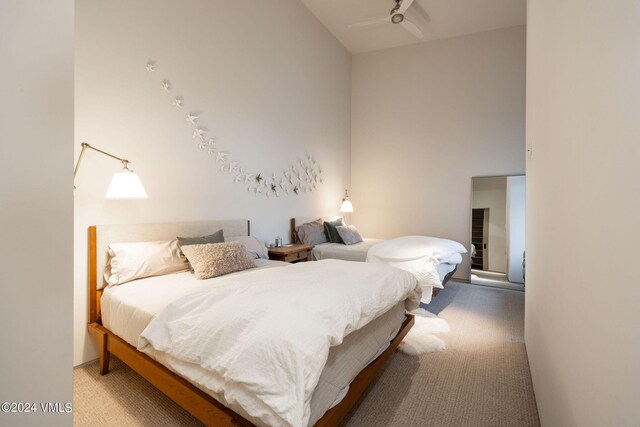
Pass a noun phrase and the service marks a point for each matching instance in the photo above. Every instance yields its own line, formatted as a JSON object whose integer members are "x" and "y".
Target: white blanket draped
{"x": 419, "y": 255}
{"x": 264, "y": 337}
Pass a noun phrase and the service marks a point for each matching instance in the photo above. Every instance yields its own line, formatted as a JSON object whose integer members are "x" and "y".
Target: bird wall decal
{"x": 301, "y": 176}
{"x": 198, "y": 133}
{"x": 192, "y": 118}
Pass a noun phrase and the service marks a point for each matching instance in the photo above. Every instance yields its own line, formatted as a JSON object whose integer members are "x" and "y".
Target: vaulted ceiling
{"x": 443, "y": 18}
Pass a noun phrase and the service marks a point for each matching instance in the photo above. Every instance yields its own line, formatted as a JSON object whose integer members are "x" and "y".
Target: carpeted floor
{"x": 482, "y": 379}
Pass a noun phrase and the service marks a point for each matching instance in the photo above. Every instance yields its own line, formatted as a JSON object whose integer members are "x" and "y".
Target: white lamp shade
{"x": 125, "y": 185}
{"x": 346, "y": 206}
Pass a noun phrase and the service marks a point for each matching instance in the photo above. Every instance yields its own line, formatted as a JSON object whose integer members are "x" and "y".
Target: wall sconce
{"x": 346, "y": 207}
{"x": 124, "y": 185}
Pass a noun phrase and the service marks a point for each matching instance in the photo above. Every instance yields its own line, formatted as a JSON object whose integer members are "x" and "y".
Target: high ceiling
{"x": 448, "y": 18}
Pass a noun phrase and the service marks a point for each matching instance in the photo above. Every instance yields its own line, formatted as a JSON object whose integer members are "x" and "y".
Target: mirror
{"x": 498, "y": 231}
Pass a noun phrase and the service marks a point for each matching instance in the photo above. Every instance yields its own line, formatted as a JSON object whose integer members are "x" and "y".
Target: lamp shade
{"x": 346, "y": 206}
{"x": 125, "y": 185}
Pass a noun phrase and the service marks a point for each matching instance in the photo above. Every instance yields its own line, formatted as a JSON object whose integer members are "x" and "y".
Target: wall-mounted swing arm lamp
{"x": 346, "y": 207}
{"x": 124, "y": 185}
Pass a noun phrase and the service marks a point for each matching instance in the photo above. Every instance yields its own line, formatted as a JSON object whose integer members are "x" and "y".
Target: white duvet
{"x": 421, "y": 256}
{"x": 264, "y": 337}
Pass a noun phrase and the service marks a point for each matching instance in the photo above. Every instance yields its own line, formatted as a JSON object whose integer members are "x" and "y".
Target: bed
{"x": 123, "y": 319}
{"x": 360, "y": 251}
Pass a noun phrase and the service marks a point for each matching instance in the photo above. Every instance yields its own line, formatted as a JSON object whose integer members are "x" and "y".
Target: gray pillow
{"x": 254, "y": 246}
{"x": 217, "y": 237}
{"x": 349, "y": 234}
{"x": 312, "y": 233}
{"x": 330, "y": 228}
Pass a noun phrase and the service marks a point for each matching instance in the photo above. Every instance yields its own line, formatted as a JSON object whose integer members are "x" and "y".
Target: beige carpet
{"x": 482, "y": 379}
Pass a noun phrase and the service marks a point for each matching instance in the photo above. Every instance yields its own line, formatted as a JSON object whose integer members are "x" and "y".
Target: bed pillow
{"x": 447, "y": 249}
{"x": 349, "y": 234}
{"x": 131, "y": 261}
{"x": 332, "y": 232}
{"x": 312, "y": 233}
{"x": 217, "y": 237}
{"x": 254, "y": 246}
{"x": 455, "y": 258}
{"x": 217, "y": 259}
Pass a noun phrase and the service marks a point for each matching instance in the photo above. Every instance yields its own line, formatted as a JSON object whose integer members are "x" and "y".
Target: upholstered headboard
{"x": 101, "y": 236}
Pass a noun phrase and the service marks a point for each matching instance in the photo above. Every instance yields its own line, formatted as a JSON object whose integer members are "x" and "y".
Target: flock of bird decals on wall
{"x": 294, "y": 180}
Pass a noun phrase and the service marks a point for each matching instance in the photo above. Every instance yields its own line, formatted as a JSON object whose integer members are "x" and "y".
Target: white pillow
{"x": 254, "y": 246}
{"x": 131, "y": 261}
{"x": 450, "y": 246}
{"x": 453, "y": 259}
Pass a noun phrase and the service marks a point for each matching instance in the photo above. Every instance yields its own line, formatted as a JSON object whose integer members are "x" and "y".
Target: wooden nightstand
{"x": 294, "y": 253}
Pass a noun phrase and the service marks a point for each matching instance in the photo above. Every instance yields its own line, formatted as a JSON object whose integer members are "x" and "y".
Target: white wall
{"x": 583, "y": 199}
{"x": 269, "y": 81}
{"x": 516, "y": 206}
{"x": 36, "y": 218}
{"x": 425, "y": 119}
{"x": 491, "y": 193}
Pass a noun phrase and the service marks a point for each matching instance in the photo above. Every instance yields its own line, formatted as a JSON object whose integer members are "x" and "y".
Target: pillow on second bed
{"x": 349, "y": 234}
{"x": 312, "y": 233}
{"x": 332, "y": 232}
{"x": 216, "y": 259}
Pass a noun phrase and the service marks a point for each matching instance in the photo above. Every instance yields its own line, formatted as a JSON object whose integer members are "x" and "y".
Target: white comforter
{"x": 419, "y": 255}
{"x": 265, "y": 337}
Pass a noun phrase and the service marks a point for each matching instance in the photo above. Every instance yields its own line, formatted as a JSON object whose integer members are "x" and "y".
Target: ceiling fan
{"x": 397, "y": 16}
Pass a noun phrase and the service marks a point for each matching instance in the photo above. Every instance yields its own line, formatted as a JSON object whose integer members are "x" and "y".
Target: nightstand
{"x": 294, "y": 253}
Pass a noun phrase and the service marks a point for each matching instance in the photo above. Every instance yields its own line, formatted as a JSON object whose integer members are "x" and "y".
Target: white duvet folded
{"x": 419, "y": 255}
{"x": 264, "y": 337}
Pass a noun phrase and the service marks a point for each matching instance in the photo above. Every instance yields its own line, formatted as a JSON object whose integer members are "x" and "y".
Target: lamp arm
{"x": 84, "y": 145}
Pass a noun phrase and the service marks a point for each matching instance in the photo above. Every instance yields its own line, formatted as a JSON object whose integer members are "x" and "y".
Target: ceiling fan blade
{"x": 404, "y": 6}
{"x": 423, "y": 13}
{"x": 412, "y": 28}
{"x": 375, "y": 21}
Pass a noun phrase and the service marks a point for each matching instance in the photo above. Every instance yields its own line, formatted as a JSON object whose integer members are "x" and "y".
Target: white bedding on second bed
{"x": 357, "y": 252}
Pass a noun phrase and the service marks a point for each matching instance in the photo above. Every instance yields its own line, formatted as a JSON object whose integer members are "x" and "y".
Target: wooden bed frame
{"x": 202, "y": 406}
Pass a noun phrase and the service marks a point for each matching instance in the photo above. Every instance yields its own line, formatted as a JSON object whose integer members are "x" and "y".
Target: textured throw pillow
{"x": 254, "y": 246}
{"x": 216, "y": 259}
{"x": 217, "y": 237}
{"x": 131, "y": 261}
{"x": 312, "y": 233}
{"x": 349, "y": 234}
{"x": 332, "y": 232}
